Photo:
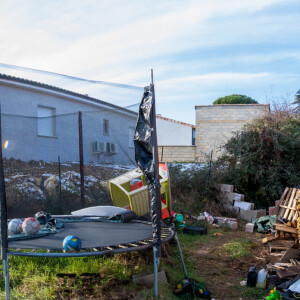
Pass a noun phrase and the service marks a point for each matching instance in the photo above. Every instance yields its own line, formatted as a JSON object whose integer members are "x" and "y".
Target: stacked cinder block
{"x": 235, "y": 201}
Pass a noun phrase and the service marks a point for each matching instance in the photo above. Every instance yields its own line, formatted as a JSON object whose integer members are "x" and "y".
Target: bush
{"x": 263, "y": 158}
{"x": 192, "y": 189}
{"x": 235, "y": 99}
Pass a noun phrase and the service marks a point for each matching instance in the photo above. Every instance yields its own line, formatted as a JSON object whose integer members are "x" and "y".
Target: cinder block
{"x": 226, "y": 188}
{"x": 229, "y": 197}
{"x": 227, "y": 223}
{"x": 272, "y": 210}
{"x": 149, "y": 279}
{"x": 250, "y": 215}
{"x": 249, "y": 227}
{"x": 244, "y": 205}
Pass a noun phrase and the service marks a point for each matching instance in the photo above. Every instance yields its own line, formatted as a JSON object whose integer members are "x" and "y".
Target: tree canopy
{"x": 235, "y": 99}
{"x": 297, "y": 98}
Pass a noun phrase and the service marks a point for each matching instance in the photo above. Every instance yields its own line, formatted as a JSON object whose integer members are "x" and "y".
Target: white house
{"x": 40, "y": 122}
{"x": 174, "y": 133}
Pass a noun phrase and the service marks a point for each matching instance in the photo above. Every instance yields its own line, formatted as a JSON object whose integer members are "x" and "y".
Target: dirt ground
{"x": 222, "y": 273}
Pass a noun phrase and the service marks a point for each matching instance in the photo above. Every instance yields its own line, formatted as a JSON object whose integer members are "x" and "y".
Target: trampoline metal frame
{"x": 168, "y": 234}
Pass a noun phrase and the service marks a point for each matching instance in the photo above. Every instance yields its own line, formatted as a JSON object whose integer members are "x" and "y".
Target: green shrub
{"x": 191, "y": 189}
{"x": 235, "y": 99}
{"x": 263, "y": 158}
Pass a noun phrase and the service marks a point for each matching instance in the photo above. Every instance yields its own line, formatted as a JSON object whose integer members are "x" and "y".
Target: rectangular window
{"x": 46, "y": 121}
{"x": 193, "y": 136}
{"x": 131, "y": 137}
{"x": 105, "y": 127}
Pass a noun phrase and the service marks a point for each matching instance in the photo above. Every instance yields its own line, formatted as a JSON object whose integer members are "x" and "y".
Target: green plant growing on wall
{"x": 263, "y": 158}
{"x": 235, "y": 99}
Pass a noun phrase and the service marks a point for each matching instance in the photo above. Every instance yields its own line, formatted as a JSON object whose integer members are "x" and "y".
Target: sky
{"x": 198, "y": 50}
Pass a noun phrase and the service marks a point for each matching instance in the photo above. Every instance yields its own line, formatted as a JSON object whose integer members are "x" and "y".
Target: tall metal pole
{"x": 156, "y": 247}
{"x": 3, "y": 211}
{"x": 81, "y": 159}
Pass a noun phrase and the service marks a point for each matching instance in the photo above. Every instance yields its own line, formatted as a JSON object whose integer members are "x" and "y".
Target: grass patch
{"x": 238, "y": 248}
{"x": 252, "y": 293}
{"x": 36, "y": 277}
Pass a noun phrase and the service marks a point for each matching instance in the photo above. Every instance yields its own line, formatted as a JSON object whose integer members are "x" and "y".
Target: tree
{"x": 297, "y": 97}
{"x": 235, "y": 99}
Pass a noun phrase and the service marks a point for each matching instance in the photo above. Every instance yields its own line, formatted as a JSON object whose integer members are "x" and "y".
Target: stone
{"x": 228, "y": 224}
{"x": 250, "y": 215}
{"x": 244, "y": 205}
{"x": 272, "y": 210}
{"x": 51, "y": 184}
{"x": 148, "y": 280}
{"x": 230, "y": 197}
{"x": 226, "y": 188}
{"x": 277, "y": 202}
{"x": 249, "y": 227}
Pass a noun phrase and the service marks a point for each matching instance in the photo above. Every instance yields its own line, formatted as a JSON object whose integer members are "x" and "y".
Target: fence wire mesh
{"x": 42, "y": 165}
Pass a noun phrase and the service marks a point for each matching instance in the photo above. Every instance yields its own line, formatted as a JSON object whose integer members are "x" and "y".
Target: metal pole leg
{"x": 181, "y": 256}
{"x": 156, "y": 263}
{"x": 6, "y": 276}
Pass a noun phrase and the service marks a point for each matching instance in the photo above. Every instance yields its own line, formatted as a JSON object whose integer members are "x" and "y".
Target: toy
{"x": 15, "y": 226}
{"x": 274, "y": 295}
{"x": 179, "y": 220}
{"x": 31, "y": 226}
{"x": 71, "y": 243}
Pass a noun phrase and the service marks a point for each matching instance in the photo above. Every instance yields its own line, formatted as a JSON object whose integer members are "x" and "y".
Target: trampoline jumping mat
{"x": 92, "y": 235}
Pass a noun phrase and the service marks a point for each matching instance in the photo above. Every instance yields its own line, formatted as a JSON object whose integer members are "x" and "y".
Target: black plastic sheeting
{"x": 145, "y": 144}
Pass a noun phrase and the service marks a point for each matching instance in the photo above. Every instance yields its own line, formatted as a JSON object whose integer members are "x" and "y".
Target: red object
{"x": 164, "y": 213}
{"x": 271, "y": 210}
{"x": 136, "y": 185}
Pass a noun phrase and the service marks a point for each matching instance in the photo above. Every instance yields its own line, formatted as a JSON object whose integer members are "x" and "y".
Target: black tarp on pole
{"x": 146, "y": 156}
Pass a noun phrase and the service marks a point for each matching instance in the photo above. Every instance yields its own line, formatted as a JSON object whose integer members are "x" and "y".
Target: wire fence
{"x": 61, "y": 163}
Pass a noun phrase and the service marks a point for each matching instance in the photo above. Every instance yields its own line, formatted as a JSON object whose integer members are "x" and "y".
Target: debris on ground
{"x": 286, "y": 234}
{"x": 148, "y": 279}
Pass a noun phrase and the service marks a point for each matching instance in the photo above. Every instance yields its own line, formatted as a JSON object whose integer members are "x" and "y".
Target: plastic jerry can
{"x": 252, "y": 277}
{"x": 262, "y": 278}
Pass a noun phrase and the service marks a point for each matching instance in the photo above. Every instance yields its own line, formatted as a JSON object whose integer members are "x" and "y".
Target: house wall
{"x": 215, "y": 124}
{"x": 170, "y": 132}
{"x": 22, "y": 132}
{"x": 176, "y": 153}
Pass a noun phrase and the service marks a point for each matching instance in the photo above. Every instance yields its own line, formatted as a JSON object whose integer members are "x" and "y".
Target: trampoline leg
{"x": 6, "y": 276}
{"x": 181, "y": 256}
{"x": 156, "y": 263}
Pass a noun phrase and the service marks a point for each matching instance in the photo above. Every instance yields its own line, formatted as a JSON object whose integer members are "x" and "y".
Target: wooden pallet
{"x": 280, "y": 245}
{"x": 287, "y": 206}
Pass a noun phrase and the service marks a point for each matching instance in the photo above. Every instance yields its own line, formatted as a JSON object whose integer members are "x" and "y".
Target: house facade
{"x": 41, "y": 122}
{"x": 175, "y": 139}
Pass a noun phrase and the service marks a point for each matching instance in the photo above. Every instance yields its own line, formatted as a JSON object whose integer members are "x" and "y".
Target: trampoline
{"x": 98, "y": 238}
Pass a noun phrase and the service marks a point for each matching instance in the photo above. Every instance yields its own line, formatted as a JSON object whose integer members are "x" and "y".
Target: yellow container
{"x": 138, "y": 200}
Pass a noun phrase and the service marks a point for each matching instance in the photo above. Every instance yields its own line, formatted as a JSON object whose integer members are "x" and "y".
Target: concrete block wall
{"x": 215, "y": 125}
{"x": 176, "y": 153}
